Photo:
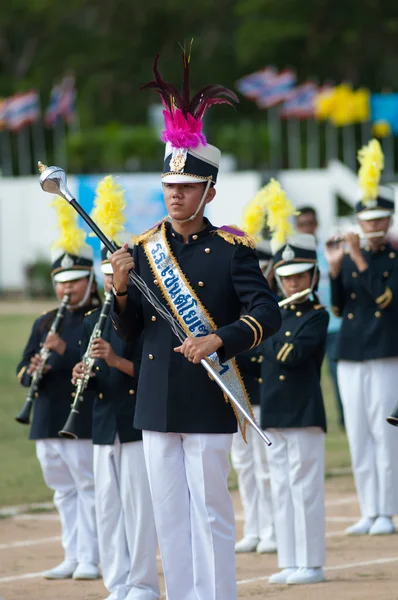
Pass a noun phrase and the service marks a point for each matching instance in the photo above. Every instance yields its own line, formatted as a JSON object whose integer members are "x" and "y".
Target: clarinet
{"x": 24, "y": 415}
{"x": 70, "y": 427}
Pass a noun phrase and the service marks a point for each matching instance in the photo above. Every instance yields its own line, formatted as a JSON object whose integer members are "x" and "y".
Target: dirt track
{"x": 364, "y": 568}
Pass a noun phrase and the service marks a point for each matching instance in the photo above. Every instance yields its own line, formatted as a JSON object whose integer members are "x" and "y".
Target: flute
{"x": 294, "y": 297}
{"x": 363, "y": 236}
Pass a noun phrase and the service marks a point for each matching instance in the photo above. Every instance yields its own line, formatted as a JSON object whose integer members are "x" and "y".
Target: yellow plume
{"x": 278, "y": 210}
{"x": 253, "y": 219}
{"x": 371, "y": 159}
{"x": 109, "y": 205}
{"x": 72, "y": 238}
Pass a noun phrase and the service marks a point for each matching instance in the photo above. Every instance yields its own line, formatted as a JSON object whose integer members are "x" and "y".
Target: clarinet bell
{"x": 24, "y": 416}
{"x": 70, "y": 427}
{"x": 393, "y": 419}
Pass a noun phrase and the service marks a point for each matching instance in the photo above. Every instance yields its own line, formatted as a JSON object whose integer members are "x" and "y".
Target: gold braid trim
{"x": 228, "y": 236}
{"x": 21, "y": 373}
{"x": 385, "y": 299}
{"x": 143, "y": 237}
{"x": 288, "y": 350}
{"x": 260, "y": 328}
{"x": 254, "y": 330}
{"x": 281, "y": 351}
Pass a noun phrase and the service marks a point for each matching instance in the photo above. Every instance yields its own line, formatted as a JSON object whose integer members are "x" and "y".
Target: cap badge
{"x": 178, "y": 159}
{"x": 67, "y": 262}
{"x": 370, "y": 203}
{"x": 288, "y": 253}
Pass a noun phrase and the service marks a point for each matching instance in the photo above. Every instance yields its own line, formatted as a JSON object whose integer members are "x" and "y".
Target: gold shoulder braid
{"x": 90, "y": 312}
{"x": 233, "y": 235}
{"x": 143, "y": 237}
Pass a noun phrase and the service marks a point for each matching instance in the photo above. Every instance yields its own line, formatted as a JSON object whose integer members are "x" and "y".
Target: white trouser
{"x": 67, "y": 467}
{"x": 251, "y": 466}
{"x": 296, "y": 463}
{"x": 369, "y": 392}
{"x": 193, "y": 511}
{"x": 126, "y": 528}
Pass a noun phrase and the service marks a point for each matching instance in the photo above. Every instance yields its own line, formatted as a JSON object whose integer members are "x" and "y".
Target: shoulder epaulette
{"x": 318, "y": 306}
{"x": 90, "y": 312}
{"x": 47, "y": 312}
{"x": 233, "y": 235}
{"x": 142, "y": 237}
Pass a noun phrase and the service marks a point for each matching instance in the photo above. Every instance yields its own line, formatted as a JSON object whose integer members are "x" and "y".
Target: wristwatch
{"x": 116, "y": 293}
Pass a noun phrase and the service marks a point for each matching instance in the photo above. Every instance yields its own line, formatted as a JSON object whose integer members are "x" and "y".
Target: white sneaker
{"x": 266, "y": 546}
{"x": 306, "y": 575}
{"x": 362, "y": 527}
{"x": 64, "y": 570}
{"x": 246, "y": 544}
{"x": 86, "y": 571}
{"x": 282, "y": 576}
{"x": 382, "y": 526}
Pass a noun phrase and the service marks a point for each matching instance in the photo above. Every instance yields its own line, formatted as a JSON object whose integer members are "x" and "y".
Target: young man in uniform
{"x": 210, "y": 280}
{"x": 364, "y": 293}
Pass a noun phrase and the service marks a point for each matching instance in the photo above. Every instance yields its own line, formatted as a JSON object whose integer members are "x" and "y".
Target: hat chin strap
{"x": 86, "y": 293}
{"x": 278, "y": 279}
{"x": 195, "y": 214}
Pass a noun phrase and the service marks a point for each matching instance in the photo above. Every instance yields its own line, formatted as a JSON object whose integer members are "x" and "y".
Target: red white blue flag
{"x": 299, "y": 103}
{"x": 277, "y": 89}
{"x": 20, "y": 110}
{"x": 62, "y": 102}
{"x": 252, "y": 86}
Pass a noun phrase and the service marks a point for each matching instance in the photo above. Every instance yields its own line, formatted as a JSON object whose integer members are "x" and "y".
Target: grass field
{"x": 20, "y": 476}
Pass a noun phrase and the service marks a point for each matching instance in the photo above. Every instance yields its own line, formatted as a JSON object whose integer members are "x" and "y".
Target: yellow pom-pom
{"x": 253, "y": 220}
{"x": 109, "y": 205}
{"x": 278, "y": 210}
{"x": 381, "y": 129}
{"x": 371, "y": 159}
{"x": 72, "y": 238}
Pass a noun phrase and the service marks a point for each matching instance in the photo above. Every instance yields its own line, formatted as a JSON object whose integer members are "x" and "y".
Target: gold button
{"x": 173, "y": 234}
{"x": 377, "y": 314}
{"x": 97, "y": 369}
{"x": 288, "y": 333}
{"x": 353, "y": 295}
{"x": 80, "y": 342}
{"x": 207, "y": 250}
{"x": 153, "y": 318}
{"x": 260, "y": 379}
{"x": 282, "y": 378}
{"x": 37, "y": 394}
{"x": 73, "y": 394}
{"x": 350, "y": 315}
{"x": 260, "y": 358}
{"x": 151, "y": 356}
{"x": 392, "y": 255}
{"x": 155, "y": 281}
{"x": 299, "y": 314}
{"x": 100, "y": 396}
{"x": 386, "y": 274}
{"x": 131, "y": 392}
{"x": 253, "y": 359}
{"x": 292, "y": 307}
{"x": 200, "y": 283}
{"x": 195, "y": 237}
{"x": 354, "y": 274}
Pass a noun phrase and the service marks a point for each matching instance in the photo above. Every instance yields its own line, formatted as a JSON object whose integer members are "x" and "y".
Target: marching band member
{"x": 250, "y": 459}
{"x": 292, "y": 407}
{"x": 126, "y": 528}
{"x": 364, "y": 288}
{"x": 210, "y": 279}
{"x": 67, "y": 465}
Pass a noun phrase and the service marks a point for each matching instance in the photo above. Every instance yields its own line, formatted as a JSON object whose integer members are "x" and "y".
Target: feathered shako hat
{"x": 188, "y": 157}
{"x": 376, "y": 201}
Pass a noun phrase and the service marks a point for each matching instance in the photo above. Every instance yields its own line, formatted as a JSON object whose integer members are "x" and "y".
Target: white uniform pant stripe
{"x": 193, "y": 510}
{"x": 251, "y": 465}
{"x": 67, "y": 467}
{"x": 296, "y": 464}
{"x": 126, "y": 528}
{"x": 369, "y": 393}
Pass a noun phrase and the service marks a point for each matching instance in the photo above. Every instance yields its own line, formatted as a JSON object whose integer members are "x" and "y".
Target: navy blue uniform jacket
{"x": 291, "y": 394}
{"x": 114, "y": 405}
{"x": 52, "y": 406}
{"x": 368, "y": 304}
{"x": 175, "y": 395}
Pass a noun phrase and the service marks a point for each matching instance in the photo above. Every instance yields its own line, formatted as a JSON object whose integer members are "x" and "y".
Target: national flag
{"x": 253, "y": 85}
{"x": 299, "y": 103}
{"x": 277, "y": 89}
{"x": 21, "y": 110}
{"x": 62, "y": 102}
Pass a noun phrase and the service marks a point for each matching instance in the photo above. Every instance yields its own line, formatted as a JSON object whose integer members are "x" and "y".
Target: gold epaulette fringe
{"x": 143, "y": 237}
{"x": 318, "y": 306}
{"x": 90, "y": 312}
{"x": 238, "y": 238}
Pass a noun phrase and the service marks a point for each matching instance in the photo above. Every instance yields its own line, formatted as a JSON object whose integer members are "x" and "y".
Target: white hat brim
{"x": 107, "y": 269}
{"x": 71, "y": 275}
{"x": 293, "y": 269}
{"x": 374, "y": 213}
{"x": 175, "y": 178}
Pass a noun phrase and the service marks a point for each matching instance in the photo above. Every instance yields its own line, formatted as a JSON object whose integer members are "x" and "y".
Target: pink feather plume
{"x": 182, "y": 132}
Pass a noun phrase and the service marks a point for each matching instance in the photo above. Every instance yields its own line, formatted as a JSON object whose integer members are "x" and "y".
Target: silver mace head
{"x": 53, "y": 180}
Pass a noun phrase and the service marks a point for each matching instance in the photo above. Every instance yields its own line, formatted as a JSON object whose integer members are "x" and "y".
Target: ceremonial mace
{"x": 53, "y": 180}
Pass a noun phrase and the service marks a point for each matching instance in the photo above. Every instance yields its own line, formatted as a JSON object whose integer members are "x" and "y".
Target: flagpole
{"x": 313, "y": 158}
{"x": 6, "y": 153}
{"x": 39, "y": 142}
{"x": 294, "y": 143}
{"x": 23, "y": 146}
{"x": 59, "y": 142}
{"x": 331, "y": 139}
{"x": 389, "y": 158}
{"x": 349, "y": 146}
{"x": 275, "y": 135}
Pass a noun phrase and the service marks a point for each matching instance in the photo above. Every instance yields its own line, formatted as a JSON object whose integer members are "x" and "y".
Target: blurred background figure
{"x": 307, "y": 222}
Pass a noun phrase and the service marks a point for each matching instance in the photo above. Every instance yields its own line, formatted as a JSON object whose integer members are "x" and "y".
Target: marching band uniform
{"x": 187, "y": 424}
{"x": 367, "y": 370}
{"x": 66, "y": 464}
{"x": 250, "y": 463}
{"x": 293, "y": 414}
